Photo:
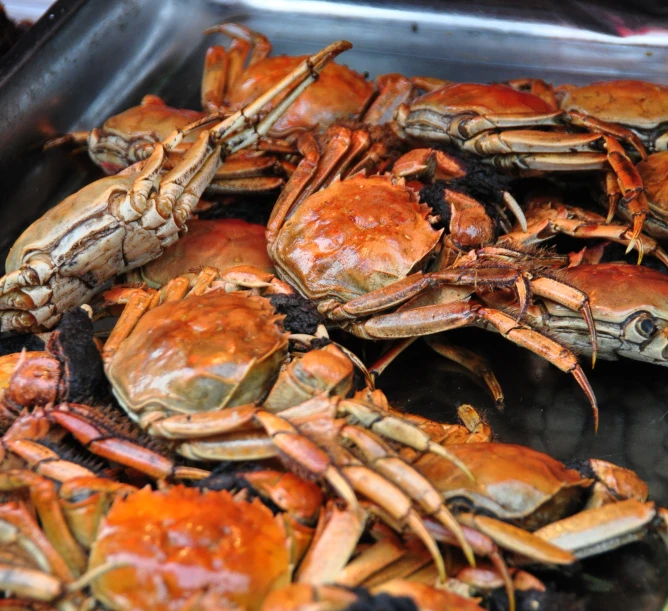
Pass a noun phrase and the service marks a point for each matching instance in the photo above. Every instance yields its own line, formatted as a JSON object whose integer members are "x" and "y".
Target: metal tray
{"x": 84, "y": 61}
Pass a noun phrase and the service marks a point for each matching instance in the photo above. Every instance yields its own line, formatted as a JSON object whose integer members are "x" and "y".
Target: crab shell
{"x": 203, "y": 353}
{"x": 479, "y": 98}
{"x": 631, "y": 301}
{"x": 512, "y": 482}
{"x": 654, "y": 174}
{"x": 122, "y": 139}
{"x": 638, "y": 105}
{"x": 183, "y": 545}
{"x": 339, "y": 93}
{"x": 353, "y": 237}
{"x": 223, "y": 244}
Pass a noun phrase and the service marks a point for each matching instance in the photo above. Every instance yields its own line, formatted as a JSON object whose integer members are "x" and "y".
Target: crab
{"x": 654, "y": 174}
{"x": 124, "y": 221}
{"x": 522, "y": 498}
{"x": 638, "y": 106}
{"x": 220, "y": 243}
{"x": 632, "y": 323}
{"x": 363, "y": 249}
{"x": 234, "y": 77}
{"x": 146, "y": 546}
{"x": 506, "y": 127}
{"x": 132, "y": 135}
{"x": 213, "y": 391}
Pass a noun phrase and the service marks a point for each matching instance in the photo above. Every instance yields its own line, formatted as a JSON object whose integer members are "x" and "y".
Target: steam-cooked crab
{"x": 362, "y": 250}
{"x": 516, "y": 487}
{"x": 234, "y": 77}
{"x": 654, "y": 173}
{"x": 121, "y": 222}
{"x": 146, "y": 546}
{"x": 132, "y": 135}
{"x": 506, "y": 127}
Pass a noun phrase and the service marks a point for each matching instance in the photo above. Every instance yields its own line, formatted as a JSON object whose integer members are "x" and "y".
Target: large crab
{"x": 363, "y": 248}
{"x": 199, "y": 370}
{"x": 516, "y": 129}
{"x": 121, "y": 222}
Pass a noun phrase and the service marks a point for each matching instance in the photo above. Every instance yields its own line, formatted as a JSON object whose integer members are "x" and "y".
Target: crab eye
{"x": 645, "y": 325}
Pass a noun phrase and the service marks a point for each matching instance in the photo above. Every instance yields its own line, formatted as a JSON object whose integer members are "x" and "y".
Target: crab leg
{"x": 19, "y": 527}
{"x": 337, "y": 534}
{"x": 601, "y": 529}
{"x": 29, "y": 583}
{"x": 478, "y": 365}
{"x": 417, "y": 487}
{"x": 106, "y": 444}
{"x": 445, "y": 316}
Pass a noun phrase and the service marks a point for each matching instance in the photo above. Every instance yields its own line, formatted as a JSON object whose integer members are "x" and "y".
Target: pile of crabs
{"x": 184, "y": 423}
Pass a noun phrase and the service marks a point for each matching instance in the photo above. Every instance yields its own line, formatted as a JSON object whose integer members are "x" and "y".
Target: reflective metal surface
{"x": 84, "y": 61}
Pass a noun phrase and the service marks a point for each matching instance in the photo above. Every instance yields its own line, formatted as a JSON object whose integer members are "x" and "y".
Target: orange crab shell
{"x": 654, "y": 174}
{"x": 355, "y": 236}
{"x": 223, "y": 244}
{"x": 182, "y": 543}
{"x": 513, "y": 482}
{"x": 156, "y": 120}
{"x": 635, "y": 103}
{"x": 482, "y": 99}
{"x": 201, "y": 353}
{"x": 644, "y": 289}
{"x": 339, "y": 93}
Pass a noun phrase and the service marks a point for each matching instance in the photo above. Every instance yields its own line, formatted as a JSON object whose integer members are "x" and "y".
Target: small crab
{"x": 522, "y": 498}
{"x": 132, "y": 135}
{"x": 121, "y": 222}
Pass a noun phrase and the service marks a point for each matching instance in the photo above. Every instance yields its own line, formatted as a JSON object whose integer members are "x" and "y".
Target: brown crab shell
{"x": 481, "y": 99}
{"x": 183, "y": 545}
{"x": 353, "y": 237}
{"x": 339, "y": 93}
{"x": 223, "y": 244}
{"x": 202, "y": 353}
{"x": 512, "y": 482}
{"x": 634, "y": 103}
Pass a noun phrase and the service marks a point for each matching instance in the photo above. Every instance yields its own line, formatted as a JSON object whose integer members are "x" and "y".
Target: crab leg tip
{"x": 441, "y": 451}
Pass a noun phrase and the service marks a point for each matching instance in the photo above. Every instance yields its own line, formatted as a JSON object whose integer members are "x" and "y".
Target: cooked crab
{"x": 507, "y": 128}
{"x": 363, "y": 250}
{"x": 220, "y": 243}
